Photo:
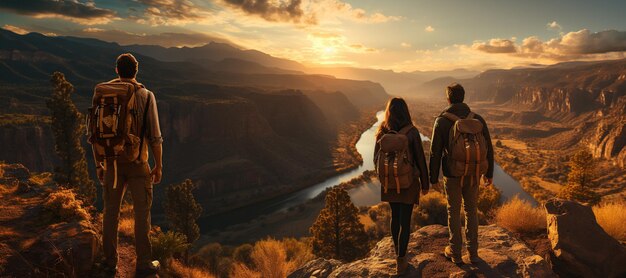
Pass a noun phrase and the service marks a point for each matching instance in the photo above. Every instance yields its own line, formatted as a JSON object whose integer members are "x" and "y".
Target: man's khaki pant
{"x": 466, "y": 194}
{"x": 135, "y": 177}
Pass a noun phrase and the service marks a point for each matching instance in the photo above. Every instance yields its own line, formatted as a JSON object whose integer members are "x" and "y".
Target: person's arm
{"x": 490, "y": 159}
{"x": 376, "y": 150}
{"x": 436, "y": 151}
{"x": 155, "y": 139}
{"x": 420, "y": 159}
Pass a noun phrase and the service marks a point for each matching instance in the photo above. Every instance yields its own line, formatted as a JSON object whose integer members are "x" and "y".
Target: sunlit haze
{"x": 398, "y": 35}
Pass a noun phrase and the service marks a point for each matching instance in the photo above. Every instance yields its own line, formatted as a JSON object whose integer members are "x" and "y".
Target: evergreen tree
{"x": 580, "y": 179}
{"x": 182, "y": 210}
{"x": 337, "y": 232}
{"x": 68, "y": 127}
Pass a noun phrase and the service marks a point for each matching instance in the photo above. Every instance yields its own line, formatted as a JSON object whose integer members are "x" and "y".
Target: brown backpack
{"x": 110, "y": 123}
{"x": 467, "y": 148}
{"x": 394, "y": 163}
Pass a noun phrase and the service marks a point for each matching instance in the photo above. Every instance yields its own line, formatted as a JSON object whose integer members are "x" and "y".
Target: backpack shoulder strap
{"x": 405, "y": 130}
{"x": 450, "y": 116}
{"x": 470, "y": 115}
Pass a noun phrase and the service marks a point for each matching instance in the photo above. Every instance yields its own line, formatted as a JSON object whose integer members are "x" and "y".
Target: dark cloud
{"x": 289, "y": 11}
{"x": 81, "y": 12}
{"x": 496, "y": 46}
{"x": 585, "y": 42}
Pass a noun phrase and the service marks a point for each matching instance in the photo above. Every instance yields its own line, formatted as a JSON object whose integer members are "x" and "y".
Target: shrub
{"x": 520, "y": 216}
{"x": 181, "y": 270}
{"x": 270, "y": 259}
{"x": 65, "y": 205}
{"x": 431, "y": 210}
{"x": 242, "y": 271}
{"x": 167, "y": 245}
{"x": 612, "y": 218}
{"x": 298, "y": 251}
{"x": 209, "y": 256}
{"x": 489, "y": 199}
{"x": 243, "y": 253}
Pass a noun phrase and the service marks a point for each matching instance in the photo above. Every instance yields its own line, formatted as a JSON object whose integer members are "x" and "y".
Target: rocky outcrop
{"x": 581, "y": 247}
{"x": 609, "y": 141}
{"x": 502, "y": 255}
{"x": 29, "y": 144}
{"x": 34, "y": 241}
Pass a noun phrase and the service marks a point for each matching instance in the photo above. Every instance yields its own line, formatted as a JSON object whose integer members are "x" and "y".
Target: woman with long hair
{"x": 398, "y": 121}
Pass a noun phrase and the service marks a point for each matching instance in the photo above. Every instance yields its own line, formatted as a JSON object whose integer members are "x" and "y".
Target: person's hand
{"x": 100, "y": 174}
{"x": 156, "y": 174}
{"x": 488, "y": 181}
{"x": 424, "y": 191}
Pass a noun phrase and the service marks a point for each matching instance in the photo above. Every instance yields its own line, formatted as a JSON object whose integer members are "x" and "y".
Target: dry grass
{"x": 520, "y": 216}
{"x": 126, "y": 225}
{"x": 514, "y": 144}
{"x": 270, "y": 259}
{"x": 612, "y": 218}
{"x": 63, "y": 204}
{"x": 242, "y": 271}
{"x": 181, "y": 270}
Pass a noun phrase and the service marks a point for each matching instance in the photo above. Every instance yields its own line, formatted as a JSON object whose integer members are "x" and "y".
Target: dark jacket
{"x": 439, "y": 145}
{"x": 412, "y": 194}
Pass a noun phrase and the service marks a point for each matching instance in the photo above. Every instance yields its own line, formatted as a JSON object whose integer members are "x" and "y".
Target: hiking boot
{"x": 473, "y": 258}
{"x": 401, "y": 265}
{"x": 447, "y": 252}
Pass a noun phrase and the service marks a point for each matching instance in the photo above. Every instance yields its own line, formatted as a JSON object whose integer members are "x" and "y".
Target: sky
{"x": 398, "y": 35}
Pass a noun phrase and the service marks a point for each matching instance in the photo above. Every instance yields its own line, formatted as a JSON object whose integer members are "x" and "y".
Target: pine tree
{"x": 337, "y": 232}
{"x": 182, "y": 210}
{"x": 68, "y": 127}
{"x": 580, "y": 179}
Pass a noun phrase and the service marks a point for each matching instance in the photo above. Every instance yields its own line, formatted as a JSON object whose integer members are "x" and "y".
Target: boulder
{"x": 16, "y": 171}
{"x": 67, "y": 248}
{"x": 318, "y": 268}
{"x": 503, "y": 256}
{"x": 580, "y": 246}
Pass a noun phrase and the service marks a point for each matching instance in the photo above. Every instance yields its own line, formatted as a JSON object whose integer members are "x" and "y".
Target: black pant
{"x": 400, "y": 226}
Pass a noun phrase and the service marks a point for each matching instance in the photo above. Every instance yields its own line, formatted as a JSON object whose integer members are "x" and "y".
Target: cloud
{"x": 495, "y": 46}
{"x": 163, "y": 39}
{"x": 172, "y": 12}
{"x": 582, "y": 44}
{"x": 429, "y": 29}
{"x": 306, "y": 12}
{"x": 15, "y": 29}
{"x": 85, "y": 13}
{"x": 405, "y": 45}
{"x": 287, "y": 11}
{"x": 553, "y": 26}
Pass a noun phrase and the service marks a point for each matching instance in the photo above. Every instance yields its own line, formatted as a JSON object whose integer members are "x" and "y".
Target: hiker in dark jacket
{"x": 459, "y": 190}
{"x": 398, "y": 119}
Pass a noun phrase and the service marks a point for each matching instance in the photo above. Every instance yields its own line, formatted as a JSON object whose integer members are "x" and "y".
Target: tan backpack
{"x": 467, "y": 151}
{"x": 110, "y": 123}
{"x": 394, "y": 164}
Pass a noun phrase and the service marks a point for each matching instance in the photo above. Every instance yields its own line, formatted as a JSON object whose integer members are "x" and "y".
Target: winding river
{"x": 365, "y": 195}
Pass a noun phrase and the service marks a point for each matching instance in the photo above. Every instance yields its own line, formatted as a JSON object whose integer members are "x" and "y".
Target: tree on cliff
{"x": 580, "y": 179}
{"x": 68, "y": 127}
{"x": 182, "y": 210}
{"x": 337, "y": 232}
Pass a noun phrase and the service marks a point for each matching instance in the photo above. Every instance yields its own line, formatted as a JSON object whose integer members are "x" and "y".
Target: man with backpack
{"x": 461, "y": 143}
{"x": 122, "y": 124}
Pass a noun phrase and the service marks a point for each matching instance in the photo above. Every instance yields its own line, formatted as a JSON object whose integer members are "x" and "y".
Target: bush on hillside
{"x": 270, "y": 259}
{"x": 243, "y": 254}
{"x": 612, "y": 218}
{"x": 431, "y": 210}
{"x": 167, "y": 245}
{"x": 298, "y": 252}
{"x": 178, "y": 269}
{"x": 63, "y": 204}
{"x": 520, "y": 216}
{"x": 489, "y": 199}
{"x": 242, "y": 271}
